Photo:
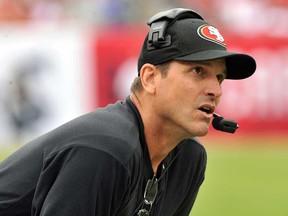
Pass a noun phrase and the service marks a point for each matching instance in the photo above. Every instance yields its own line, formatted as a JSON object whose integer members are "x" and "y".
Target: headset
{"x": 159, "y": 23}
{"x": 223, "y": 124}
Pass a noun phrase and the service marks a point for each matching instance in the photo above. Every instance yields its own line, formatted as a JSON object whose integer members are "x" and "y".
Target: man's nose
{"x": 213, "y": 88}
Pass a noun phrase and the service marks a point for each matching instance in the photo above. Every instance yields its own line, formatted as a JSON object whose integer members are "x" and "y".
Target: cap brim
{"x": 239, "y": 66}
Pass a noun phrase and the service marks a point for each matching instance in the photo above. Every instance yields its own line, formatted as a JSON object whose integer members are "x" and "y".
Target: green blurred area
{"x": 245, "y": 177}
{"x": 6, "y": 151}
{"x": 248, "y": 178}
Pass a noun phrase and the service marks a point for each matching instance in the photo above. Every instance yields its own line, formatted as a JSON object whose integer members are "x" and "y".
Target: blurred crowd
{"x": 268, "y": 15}
{"x": 45, "y": 56}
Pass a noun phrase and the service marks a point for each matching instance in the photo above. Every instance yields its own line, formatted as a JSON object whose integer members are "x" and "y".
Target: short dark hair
{"x": 137, "y": 84}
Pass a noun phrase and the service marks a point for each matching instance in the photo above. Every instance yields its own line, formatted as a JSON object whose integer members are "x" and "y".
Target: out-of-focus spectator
{"x": 267, "y": 14}
{"x": 48, "y": 10}
{"x": 13, "y": 10}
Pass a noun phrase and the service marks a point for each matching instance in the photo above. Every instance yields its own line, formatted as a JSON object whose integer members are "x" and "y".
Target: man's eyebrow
{"x": 207, "y": 63}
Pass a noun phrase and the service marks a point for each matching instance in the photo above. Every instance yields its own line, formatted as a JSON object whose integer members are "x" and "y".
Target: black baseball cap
{"x": 193, "y": 39}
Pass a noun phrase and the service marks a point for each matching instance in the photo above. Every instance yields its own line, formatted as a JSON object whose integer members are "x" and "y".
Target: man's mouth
{"x": 207, "y": 109}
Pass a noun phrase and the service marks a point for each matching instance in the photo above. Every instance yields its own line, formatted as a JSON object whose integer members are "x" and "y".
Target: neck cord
{"x": 152, "y": 184}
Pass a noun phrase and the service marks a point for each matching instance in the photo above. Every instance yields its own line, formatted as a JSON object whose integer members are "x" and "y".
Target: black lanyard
{"x": 151, "y": 190}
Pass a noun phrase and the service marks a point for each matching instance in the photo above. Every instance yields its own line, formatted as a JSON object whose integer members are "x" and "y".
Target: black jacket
{"x": 98, "y": 164}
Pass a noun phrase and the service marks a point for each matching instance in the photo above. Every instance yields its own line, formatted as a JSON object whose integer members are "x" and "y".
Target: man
{"x": 139, "y": 156}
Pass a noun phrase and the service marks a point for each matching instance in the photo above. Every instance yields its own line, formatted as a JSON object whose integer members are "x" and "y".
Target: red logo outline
{"x": 212, "y": 34}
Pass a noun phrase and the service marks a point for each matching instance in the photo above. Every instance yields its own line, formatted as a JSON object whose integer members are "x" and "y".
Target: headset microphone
{"x": 225, "y": 125}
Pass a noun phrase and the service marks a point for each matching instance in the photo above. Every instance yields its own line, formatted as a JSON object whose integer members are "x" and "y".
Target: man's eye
{"x": 197, "y": 70}
{"x": 220, "y": 78}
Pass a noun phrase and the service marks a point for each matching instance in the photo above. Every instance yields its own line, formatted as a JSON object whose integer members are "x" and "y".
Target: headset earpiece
{"x": 159, "y": 22}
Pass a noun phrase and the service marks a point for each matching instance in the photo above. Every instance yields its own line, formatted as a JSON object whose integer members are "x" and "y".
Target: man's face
{"x": 188, "y": 95}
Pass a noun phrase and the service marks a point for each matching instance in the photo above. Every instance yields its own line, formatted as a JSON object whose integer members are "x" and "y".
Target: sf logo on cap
{"x": 212, "y": 34}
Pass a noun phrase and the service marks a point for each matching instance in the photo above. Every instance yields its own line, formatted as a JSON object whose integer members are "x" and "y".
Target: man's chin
{"x": 203, "y": 130}
{"x": 202, "y": 134}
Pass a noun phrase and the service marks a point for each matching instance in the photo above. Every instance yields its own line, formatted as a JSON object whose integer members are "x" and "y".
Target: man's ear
{"x": 148, "y": 74}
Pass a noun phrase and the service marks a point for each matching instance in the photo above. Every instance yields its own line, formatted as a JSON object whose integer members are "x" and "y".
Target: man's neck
{"x": 160, "y": 139}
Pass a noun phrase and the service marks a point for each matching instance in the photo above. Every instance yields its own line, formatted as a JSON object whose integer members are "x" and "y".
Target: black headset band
{"x": 158, "y": 24}
{"x": 174, "y": 14}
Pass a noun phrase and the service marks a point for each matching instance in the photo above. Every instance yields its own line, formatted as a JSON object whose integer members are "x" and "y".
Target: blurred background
{"x": 63, "y": 58}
